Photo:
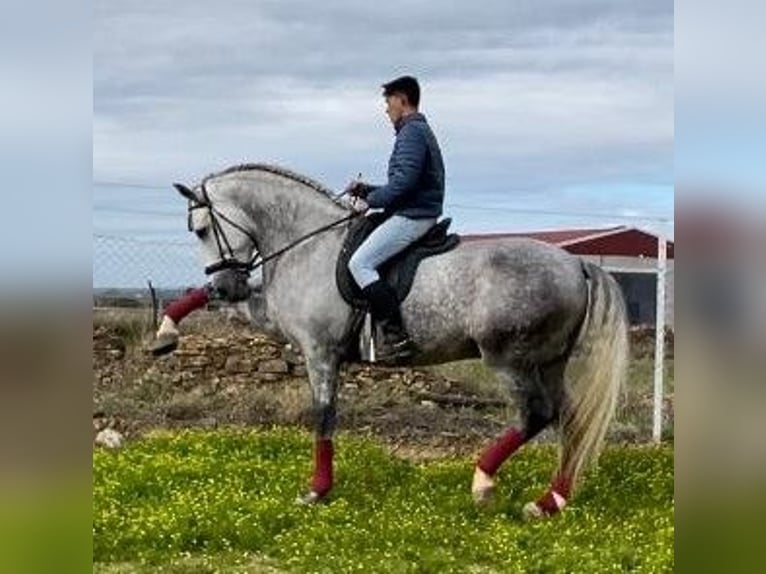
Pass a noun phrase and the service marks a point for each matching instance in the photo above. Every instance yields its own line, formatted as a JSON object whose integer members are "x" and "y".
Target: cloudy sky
{"x": 546, "y": 111}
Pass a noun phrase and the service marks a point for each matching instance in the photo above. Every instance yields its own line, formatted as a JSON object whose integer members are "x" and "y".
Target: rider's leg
{"x": 391, "y": 237}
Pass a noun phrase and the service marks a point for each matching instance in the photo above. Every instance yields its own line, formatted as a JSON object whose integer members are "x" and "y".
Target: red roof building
{"x": 620, "y": 241}
{"x": 628, "y": 253}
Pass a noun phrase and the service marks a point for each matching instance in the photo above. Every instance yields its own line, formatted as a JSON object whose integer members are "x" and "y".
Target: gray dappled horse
{"x": 549, "y": 324}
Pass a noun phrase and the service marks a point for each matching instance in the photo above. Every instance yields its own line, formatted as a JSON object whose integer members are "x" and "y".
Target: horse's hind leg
{"x": 555, "y": 498}
{"x": 538, "y": 402}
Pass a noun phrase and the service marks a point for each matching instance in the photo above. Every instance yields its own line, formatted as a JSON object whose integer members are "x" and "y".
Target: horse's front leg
{"x": 323, "y": 375}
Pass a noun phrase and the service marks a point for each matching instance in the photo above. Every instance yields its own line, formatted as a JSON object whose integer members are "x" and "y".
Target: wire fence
{"x": 136, "y": 246}
{"x": 126, "y": 264}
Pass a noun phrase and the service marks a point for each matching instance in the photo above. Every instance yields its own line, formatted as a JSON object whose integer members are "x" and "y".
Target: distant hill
{"x": 132, "y": 297}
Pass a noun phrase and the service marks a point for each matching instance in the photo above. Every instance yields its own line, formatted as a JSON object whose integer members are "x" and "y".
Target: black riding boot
{"x": 396, "y": 345}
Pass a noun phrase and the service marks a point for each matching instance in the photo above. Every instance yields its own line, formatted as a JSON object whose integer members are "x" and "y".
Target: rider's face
{"x": 394, "y": 107}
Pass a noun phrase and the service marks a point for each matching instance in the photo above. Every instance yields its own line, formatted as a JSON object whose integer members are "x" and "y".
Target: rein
{"x": 257, "y": 261}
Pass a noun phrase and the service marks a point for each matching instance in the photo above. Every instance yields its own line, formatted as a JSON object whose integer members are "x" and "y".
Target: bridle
{"x": 227, "y": 258}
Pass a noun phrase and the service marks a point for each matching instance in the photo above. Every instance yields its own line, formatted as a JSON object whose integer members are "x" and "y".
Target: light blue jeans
{"x": 388, "y": 239}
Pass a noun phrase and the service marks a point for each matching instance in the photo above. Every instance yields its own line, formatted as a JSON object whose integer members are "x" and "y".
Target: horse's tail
{"x": 601, "y": 359}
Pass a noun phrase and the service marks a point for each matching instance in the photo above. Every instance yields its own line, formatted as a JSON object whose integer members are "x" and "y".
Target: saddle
{"x": 400, "y": 270}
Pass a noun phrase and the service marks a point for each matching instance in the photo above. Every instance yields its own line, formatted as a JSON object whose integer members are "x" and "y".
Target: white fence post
{"x": 659, "y": 339}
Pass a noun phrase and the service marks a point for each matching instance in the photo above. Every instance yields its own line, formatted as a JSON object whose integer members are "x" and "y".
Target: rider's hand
{"x": 357, "y": 188}
{"x": 359, "y": 205}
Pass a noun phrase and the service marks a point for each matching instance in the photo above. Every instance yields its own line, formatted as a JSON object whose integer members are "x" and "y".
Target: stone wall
{"x": 234, "y": 359}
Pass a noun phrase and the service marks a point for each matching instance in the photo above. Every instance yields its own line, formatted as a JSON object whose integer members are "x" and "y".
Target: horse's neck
{"x": 283, "y": 215}
{"x": 283, "y": 212}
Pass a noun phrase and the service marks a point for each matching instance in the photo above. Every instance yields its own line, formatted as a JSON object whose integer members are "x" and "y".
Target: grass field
{"x": 222, "y": 501}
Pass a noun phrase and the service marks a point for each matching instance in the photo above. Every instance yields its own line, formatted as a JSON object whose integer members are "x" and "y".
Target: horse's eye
{"x": 201, "y": 233}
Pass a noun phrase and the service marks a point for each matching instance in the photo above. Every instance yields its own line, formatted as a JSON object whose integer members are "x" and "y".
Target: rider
{"x": 412, "y": 199}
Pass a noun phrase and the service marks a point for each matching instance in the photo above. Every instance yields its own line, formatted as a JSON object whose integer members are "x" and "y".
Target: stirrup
{"x": 396, "y": 352}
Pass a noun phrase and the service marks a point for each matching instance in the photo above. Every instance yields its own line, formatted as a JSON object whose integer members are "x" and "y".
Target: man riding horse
{"x": 525, "y": 307}
{"x": 412, "y": 201}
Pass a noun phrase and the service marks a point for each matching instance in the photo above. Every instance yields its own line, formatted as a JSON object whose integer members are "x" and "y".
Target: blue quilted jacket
{"x": 415, "y": 185}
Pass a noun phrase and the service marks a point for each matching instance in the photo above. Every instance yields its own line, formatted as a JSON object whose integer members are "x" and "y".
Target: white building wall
{"x": 621, "y": 264}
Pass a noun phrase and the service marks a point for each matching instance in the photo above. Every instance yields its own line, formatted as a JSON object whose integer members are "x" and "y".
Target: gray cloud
{"x": 525, "y": 96}
{"x": 322, "y": 44}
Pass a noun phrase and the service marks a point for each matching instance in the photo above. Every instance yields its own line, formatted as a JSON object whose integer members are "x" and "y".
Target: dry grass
{"x": 156, "y": 403}
{"x": 633, "y": 418}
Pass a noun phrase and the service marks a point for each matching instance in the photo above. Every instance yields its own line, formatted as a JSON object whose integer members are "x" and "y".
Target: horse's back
{"x": 515, "y": 261}
{"x": 497, "y": 290}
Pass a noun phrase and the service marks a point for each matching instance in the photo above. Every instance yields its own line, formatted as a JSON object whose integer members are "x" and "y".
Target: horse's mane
{"x": 278, "y": 170}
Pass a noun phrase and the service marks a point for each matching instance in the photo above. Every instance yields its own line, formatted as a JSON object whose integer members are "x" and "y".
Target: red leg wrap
{"x": 322, "y": 480}
{"x": 192, "y": 301}
{"x": 557, "y": 494}
{"x": 499, "y": 452}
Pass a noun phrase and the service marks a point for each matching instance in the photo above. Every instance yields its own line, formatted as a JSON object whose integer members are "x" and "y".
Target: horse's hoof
{"x": 482, "y": 488}
{"x": 483, "y": 497}
{"x": 311, "y": 498}
{"x": 549, "y": 505}
{"x": 163, "y": 345}
{"x": 532, "y": 511}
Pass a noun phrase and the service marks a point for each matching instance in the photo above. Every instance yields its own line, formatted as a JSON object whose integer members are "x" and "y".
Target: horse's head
{"x": 227, "y": 245}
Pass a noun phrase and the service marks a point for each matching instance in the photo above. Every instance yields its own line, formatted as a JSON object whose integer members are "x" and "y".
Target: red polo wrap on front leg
{"x": 323, "y": 453}
{"x": 193, "y": 300}
{"x": 499, "y": 452}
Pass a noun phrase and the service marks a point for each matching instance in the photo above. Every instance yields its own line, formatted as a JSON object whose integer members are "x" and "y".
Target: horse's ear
{"x": 186, "y": 192}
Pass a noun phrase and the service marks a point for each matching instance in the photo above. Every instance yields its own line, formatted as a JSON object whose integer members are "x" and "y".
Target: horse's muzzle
{"x": 231, "y": 285}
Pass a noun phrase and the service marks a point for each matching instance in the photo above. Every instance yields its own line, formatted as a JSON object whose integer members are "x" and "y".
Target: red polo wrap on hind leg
{"x": 191, "y": 301}
{"x": 499, "y": 451}
{"x": 561, "y": 486}
{"x": 323, "y": 453}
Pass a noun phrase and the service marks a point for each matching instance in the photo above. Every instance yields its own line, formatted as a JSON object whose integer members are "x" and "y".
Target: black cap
{"x": 406, "y": 85}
